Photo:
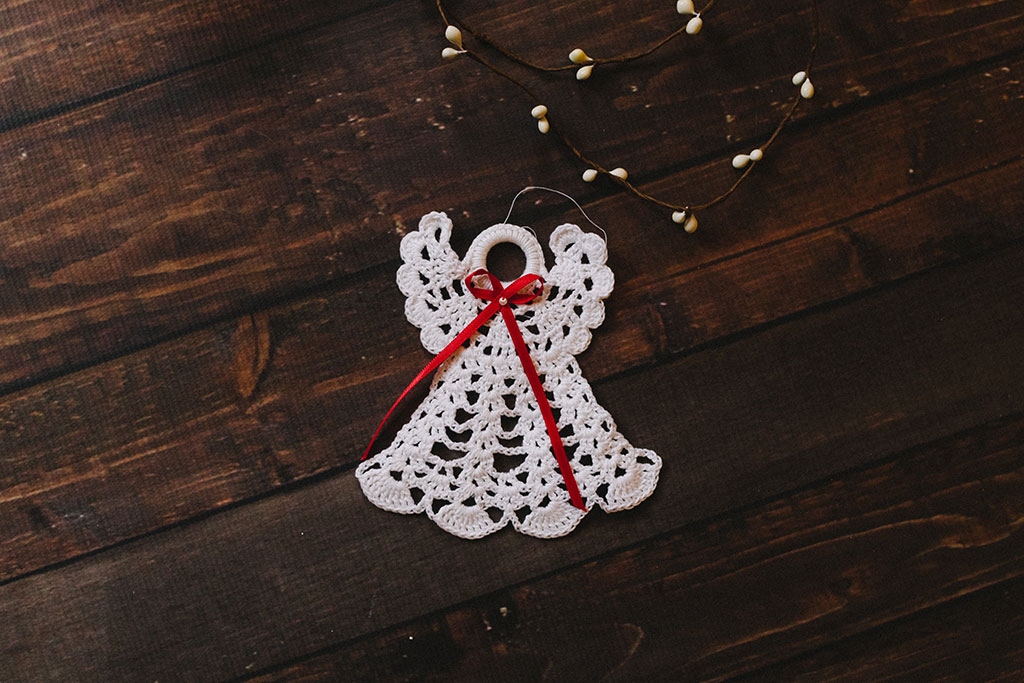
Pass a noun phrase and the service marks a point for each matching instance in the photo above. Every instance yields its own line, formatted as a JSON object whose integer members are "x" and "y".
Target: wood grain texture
{"x": 719, "y": 598}
{"x": 208, "y": 430}
{"x": 199, "y": 328}
{"x": 285, "y": 576}
{"x": 180, "y": 203}
{"x": 980, "y": 637}
{"x": 58, "y": 56}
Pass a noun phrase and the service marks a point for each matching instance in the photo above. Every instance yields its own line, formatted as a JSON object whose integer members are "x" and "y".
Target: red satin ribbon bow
{"x": 501, "y": 299}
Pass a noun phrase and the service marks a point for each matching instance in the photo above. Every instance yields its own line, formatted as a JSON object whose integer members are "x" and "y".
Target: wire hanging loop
{"x": 530, "y": 188}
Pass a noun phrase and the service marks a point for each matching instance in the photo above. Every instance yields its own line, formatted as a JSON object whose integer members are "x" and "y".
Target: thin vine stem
{"x": 687, "y": 208}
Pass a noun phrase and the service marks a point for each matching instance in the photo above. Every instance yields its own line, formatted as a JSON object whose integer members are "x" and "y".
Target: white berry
{"x": 454, "y": 36}
{"x": 578, "y": 56}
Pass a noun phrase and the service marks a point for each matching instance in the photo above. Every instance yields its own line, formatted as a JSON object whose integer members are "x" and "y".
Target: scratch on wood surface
{"x": 373, "y": 602}
{"x": 251, "y": 344}
{"x": 637, "y": 635}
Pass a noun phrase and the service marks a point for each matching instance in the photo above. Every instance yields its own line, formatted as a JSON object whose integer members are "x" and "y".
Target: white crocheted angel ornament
{"x": 476, "y": 454}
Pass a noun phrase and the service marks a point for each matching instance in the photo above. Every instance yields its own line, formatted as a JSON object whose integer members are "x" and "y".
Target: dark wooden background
{"x": 200, "y": 208}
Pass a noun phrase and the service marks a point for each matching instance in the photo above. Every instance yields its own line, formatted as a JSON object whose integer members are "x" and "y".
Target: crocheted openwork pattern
{"x": 476, "y": 456}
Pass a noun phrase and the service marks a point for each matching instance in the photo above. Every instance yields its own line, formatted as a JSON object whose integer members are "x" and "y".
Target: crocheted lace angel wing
{"x": 579, "y": 282}
{"x": 431, "y": 280}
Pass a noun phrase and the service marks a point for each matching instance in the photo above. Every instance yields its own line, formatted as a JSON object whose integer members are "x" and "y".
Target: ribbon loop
{"x": 501, "y": 299}
{"x": 511, "y": 293}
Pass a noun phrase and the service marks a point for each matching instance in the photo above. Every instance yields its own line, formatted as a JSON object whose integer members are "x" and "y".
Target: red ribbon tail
{"x": 545, "y": 408}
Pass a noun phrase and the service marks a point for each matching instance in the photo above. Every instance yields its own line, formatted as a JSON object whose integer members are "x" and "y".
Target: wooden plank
{"x": 191, "y": 441}
{"x": 718, "y": 598}
{"x": 980, "y": 637}
{"x": 208, "y": 194}
{"x": 57, "y": 56}
{"x": 285, "y": 576}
